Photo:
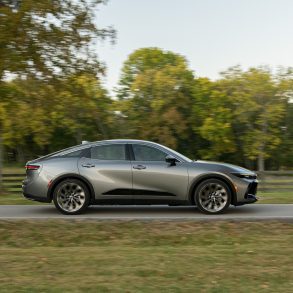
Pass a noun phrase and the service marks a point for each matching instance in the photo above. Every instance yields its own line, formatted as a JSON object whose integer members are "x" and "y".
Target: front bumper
{"x": 250, "y": 194}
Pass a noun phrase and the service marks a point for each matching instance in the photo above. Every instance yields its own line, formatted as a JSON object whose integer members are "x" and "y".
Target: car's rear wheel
{"x": 71, "y": 197}
{"x": 212, "y": 196}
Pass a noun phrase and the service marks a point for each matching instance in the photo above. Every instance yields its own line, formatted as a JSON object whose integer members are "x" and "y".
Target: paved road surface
{"x": 247, "y": 212}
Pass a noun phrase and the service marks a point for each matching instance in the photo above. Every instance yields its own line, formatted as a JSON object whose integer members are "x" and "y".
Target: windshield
{"x": 178, "y": 154}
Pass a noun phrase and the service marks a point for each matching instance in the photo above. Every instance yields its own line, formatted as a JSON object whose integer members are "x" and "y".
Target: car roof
{"x": 90, "y": 144}
{"x": 125, "y": 140}
{"x": 120, "y": 141}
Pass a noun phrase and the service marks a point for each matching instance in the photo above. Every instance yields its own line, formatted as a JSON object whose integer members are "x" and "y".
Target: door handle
{"x": 139, "y": 167}
{"x": 88, "y": 165}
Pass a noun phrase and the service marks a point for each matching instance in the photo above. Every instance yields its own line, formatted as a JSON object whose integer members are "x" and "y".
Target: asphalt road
{"x": 245, "y": 213}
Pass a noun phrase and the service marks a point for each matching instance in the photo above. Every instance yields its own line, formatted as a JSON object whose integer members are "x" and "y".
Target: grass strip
{"x": 88, "y": 256}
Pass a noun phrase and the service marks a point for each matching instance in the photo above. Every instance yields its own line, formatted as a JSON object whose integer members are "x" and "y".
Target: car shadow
{"x": 148, "y": 211}
{"x": 163, "y": 210}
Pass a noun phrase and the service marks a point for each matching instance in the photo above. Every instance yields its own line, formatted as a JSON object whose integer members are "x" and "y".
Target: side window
{"x": 76, "y": 154}
{"x": 108, "y": 152}
{"x": 147, "y": 153}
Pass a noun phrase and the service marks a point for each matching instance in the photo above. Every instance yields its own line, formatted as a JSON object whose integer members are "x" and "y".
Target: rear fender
{"x": 57, "y": 180}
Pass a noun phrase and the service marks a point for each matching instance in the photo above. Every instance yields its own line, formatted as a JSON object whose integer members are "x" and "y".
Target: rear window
{"x": 77, "y": 154}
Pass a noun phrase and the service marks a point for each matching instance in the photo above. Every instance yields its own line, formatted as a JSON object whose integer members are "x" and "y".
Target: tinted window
{"x": 108, "y": 152}
{"x": 78, "y": 154}
{"x": 147, "y": 153}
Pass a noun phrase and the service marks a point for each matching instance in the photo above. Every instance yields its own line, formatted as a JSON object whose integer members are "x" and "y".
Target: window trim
{"x": 129, "y": 155}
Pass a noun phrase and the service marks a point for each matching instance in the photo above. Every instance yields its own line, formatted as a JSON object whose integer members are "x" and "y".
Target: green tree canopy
{"x": 246, "y": 108}
{"x": 142, "y": 60}
{"x": 50, "y": 38}
{"x": 84, "y": 108}
{"x": 42, "y": 45}
{"x": 156, "y": 92}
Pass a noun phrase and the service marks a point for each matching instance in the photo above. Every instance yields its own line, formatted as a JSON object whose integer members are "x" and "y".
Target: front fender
{"x": 198, "y": 179}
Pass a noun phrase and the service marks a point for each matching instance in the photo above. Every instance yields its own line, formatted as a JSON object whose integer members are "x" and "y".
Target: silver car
{"x": 135, "y": 172}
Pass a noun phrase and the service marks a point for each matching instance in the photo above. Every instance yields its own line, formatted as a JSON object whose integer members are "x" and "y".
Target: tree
{"x": 50, "y": 38}
{"x": 2, "y": 118}
{"x": 156, "y": 95}
{"x": 27, "y": 104}
{"x": 36, "y": 112}
{"x": 284, "y": 155}
{"x": 142, "y": 60}
{"x": 45, "y": 40}
{"x": 212, "y": 110}
{"x": 249, "y": 107}
{"x": 84, "y": 108}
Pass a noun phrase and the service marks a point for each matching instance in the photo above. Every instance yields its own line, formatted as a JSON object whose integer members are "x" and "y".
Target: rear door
{"x": 108, "y": 168}
{"x": 155, "y": 180}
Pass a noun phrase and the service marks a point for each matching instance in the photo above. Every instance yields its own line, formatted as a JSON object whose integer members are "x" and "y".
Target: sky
{"x": 212, "y": 34}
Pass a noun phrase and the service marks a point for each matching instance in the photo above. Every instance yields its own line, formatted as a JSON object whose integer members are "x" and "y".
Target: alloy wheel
{"x": 213, "y": 197}
{"x": 71, "y": 197}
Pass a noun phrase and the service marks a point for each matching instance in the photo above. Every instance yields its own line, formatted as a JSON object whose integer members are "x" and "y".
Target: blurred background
{"x": 210, "y": 79}
{"x": 184, "y": 74}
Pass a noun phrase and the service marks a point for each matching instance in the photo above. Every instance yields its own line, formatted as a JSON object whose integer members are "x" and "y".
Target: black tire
{"x": 80, "y": 200}
{"x": 215, "y": 193}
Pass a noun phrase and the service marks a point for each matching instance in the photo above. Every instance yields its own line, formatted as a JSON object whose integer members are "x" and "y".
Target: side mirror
{"x": 171, "y": 160}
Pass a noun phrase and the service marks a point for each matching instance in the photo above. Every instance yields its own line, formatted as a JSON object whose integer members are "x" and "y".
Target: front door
{"x": 155, "y": 180}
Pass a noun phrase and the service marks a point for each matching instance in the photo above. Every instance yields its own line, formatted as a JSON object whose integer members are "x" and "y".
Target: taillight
{"x": 32, "y": 167}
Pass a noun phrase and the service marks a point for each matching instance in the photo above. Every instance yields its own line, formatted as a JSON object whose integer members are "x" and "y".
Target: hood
{"x": 223, "y": 167}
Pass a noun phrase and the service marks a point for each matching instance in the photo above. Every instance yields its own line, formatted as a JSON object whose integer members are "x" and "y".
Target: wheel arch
{"x": 195, "y": 183}
{"x": 57, "y": 180}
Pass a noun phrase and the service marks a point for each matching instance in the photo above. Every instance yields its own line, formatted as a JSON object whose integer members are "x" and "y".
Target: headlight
{"x": 246, "y": 176}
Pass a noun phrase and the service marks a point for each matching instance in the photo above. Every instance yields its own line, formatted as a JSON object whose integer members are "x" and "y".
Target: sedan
{"x": 135, "y": 172}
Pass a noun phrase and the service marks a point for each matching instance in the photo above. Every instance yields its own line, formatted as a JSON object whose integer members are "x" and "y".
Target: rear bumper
{"x": 34, "y": 191}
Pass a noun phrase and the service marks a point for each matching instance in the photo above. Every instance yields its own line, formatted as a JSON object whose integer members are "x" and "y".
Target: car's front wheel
{"x": 71, "y": 197}
{"x": 212, "y": 196}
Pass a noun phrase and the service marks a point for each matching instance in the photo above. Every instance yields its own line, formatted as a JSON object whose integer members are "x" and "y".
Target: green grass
{"x": 275, "y": 197}
{"x": 15, "y": 170}
{"x": 10, "y": 199}
{"x": 79, "y": 256}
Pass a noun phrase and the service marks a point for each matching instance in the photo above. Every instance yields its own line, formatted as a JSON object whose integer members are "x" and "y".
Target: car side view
{"x": 135, "y": 172}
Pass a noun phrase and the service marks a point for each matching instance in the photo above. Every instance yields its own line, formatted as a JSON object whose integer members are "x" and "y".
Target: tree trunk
{"x": 260, "y": 162}
{"x": 1, "y": 164}
{"x": 101, "y": 127}
{"x": 78, "y": 136}
{"x": 20, "y": 154}
{"x": 264, "y": 129}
